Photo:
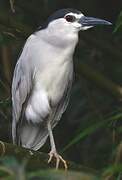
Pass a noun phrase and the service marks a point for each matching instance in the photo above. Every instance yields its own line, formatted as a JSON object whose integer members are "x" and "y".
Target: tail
{"x": 32, "y": 136}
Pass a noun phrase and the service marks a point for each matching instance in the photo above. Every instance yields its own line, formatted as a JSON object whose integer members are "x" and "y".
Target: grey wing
{"x": 30, "y": 135}
{"x": 21, "y": 86}
{"x": 61, "y": 107}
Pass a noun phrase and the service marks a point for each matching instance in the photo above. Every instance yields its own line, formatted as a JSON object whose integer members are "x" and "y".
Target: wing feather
{"x": 61, "y": 107}
{"x": 21, "y": 86}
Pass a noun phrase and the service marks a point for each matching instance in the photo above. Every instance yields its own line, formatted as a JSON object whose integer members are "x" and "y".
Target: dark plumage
{"x": 58, "y": 14}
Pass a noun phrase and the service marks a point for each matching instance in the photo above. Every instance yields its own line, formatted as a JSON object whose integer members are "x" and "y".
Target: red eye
{"x": 70, "y": 18}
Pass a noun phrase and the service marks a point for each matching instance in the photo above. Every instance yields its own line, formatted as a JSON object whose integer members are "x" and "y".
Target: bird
{"x": 43, "y": 77}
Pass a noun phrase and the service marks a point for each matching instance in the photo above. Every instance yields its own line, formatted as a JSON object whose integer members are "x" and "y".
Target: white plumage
{"x": 43, "y": 78}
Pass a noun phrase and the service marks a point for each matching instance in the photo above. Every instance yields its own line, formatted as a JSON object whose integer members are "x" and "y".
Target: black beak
{"x": 90, "y": 21}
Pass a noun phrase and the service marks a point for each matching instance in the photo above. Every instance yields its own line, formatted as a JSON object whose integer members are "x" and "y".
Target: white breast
{"x": 54, "y": 80}
{"x": 49, "y": 87}
{"x": 52, "y": 72}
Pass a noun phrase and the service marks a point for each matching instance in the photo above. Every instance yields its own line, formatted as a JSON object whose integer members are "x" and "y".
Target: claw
{"x": 50, "y": 158}
{"x": 58, "y": 159}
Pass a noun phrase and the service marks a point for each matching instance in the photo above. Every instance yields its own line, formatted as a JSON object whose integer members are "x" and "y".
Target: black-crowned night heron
{"x": 43, "y": 79}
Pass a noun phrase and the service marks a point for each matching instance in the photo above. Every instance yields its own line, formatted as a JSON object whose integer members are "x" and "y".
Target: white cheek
{"x": 85, "y": 28}
{"x": 76, "y": 25}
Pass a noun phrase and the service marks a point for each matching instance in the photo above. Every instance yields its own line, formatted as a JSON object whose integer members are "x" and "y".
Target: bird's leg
{"x": 53, "y": 152}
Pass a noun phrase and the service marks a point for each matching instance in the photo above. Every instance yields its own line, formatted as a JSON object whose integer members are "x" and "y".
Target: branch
{"x": 111, "y": 48}
{"x": 10, "y": 24}
{"x": 35, "y": 159}
{"x": 12, "y": 5}
{"x": 100, "y": 80}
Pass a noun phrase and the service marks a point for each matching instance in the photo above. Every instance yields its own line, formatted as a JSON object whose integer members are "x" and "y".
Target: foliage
{"x": 118, "y": 26}
{"x": 92, "y": 124}
{"x": 11, "y": 169}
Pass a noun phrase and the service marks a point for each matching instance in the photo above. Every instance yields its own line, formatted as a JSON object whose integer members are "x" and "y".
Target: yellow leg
{"x": 53, "y": 152}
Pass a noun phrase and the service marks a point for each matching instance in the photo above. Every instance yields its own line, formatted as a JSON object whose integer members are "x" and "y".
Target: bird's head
{"x": 72, "y": 20}
{"x": 66, "y": 23}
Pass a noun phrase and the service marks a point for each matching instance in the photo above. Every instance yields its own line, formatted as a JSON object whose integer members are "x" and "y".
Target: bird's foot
{"x": 58, "y": 159}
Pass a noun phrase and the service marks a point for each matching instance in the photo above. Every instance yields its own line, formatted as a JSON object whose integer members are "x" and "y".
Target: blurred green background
{"x": 90, "y": 130}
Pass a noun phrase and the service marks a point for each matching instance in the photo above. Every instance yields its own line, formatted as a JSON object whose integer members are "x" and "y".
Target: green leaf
{"x": 1, "y": 39}
{"x": 83, "y": 134}
{"x": 113, "y": 169}
{"x": 60, "y": 175}
{"x": 91, "y": 129}
{"x": 118, "y": 26}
